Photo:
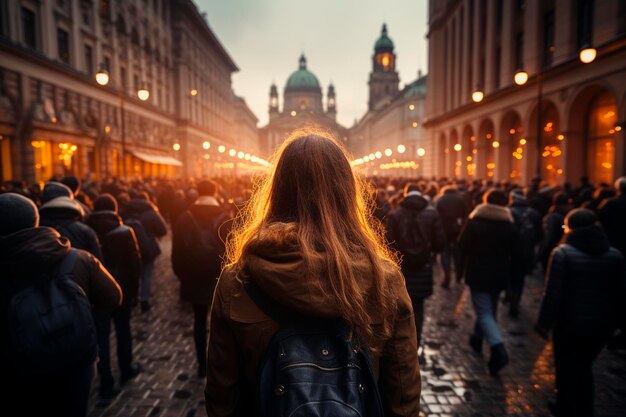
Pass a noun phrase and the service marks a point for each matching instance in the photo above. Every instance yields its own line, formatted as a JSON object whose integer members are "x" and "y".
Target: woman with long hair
{"x": 308, "y": 240}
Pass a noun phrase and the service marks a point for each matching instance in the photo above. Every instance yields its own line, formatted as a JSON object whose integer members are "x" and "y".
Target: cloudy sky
{"x": 265, "y": 39}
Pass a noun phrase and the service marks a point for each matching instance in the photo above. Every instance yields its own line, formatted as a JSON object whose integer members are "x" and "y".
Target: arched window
{"x": 601, "y": 138}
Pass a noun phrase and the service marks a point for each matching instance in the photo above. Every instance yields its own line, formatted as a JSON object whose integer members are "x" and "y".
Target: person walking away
{"x": 553, "y": 224}
{"x": 60, "y": 211}
{"x": 582, "y": 305}
{"x": 46, "y": 286}
{"x": 122, "y": 259}
{"x": 140, "y": 208}
{"x": 305, "y": 252}
{"x": 197, "y": 251}
{"x": 74, "y": 185}
{"x": 528, "y": 223}
{"x": 490, "y": 247}
{"x": 453, "y": 212}
{"x": 414, "y": 229}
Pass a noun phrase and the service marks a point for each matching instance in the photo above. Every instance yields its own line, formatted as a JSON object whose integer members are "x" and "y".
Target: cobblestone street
{"x": 455, "y": 380}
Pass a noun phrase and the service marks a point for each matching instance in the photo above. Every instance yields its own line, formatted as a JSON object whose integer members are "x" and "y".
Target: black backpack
{"x": 206, "y": 245}
{"x": 412, "y": 243}
{"x": 311, "y": 369}
{"x": 49, "y": 325}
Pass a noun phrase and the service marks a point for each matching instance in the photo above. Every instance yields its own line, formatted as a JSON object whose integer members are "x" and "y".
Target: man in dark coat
{"x": 490, "y": 248}
{"x": 612, "y": 215}
{"x": 60, "y": 211}
{"x": 31, "y": 253}
{"x": 140, "y": 208}
{"x": 583, "y": 302}
{"x": 553, "y": 226}
{"x": 453, "y": 212}
{"x": 415, "y": 223}
{"x": 122, "y": 259}
{"x": 528, "y": 223}
{"x": 197, "y": 250}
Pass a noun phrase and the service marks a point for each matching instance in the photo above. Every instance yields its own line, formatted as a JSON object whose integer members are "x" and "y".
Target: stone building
{"x": 504, "y": 73}
{"x": 302, "y": 106}
{"x": 388, "y": 139}
{"x": 55, "y": 119}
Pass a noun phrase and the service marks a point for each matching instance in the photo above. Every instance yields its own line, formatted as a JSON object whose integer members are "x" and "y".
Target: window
{"x": 519, "y": 50}
{"x": 88, "y": 59}
{"x": 63, "y": 45}
{"x": 601, "y": 139}
{"x": 548, "y": 38}
{"x": 29, "y": 28}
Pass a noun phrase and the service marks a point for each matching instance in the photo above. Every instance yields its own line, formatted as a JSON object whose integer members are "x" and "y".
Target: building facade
{"x": 389, "y": 138}
{"x": 302, "y": 106}
{"x": 55, "y": 119}
{"x": 509, "y": 97}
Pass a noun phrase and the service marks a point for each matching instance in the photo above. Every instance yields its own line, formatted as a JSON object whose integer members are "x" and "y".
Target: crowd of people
{"x": 68, "y": 244}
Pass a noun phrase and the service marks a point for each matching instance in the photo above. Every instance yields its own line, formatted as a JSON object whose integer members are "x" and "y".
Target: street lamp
{"x": 176, "y": 147}
{"x": 520, "y": 77}
{"x": 421, "y": 152}
{"x": 587, "y": 54}
{"x": 458, "y": 147}
{"x": 143, "y": 93}
{"x": 102, "y": 76}
{"x": 401, "y": 148}
{"x": 206, "y": 144}
{"x": 194, "y": 92}
{"x": 478, "y": 95}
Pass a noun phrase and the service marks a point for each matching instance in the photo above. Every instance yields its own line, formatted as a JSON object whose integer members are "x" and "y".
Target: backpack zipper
{"x": 321, "y": 368}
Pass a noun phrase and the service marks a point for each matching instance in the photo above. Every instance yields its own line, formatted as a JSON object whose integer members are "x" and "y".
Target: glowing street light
{"x": 388, "y": 152}
{"x": 520, "y": 77}
{"x": 221, "y": 149}
{"x": 143, "y": 94}
{"x": 232, "y": 152}
{"x": 206, "y": 145}
{"x": 587, "y": 55}
{"x": 495, "y": 144}
{"x": 477, "y": 96}
{"x": 401, "y": 148}
{"x": 102, "y": 76}
{"x": 421, "y": 152}
{"x": 378, "y": 155}
{"x": 194, "y": 92}
{"x": 176, "y": 147}
{"x": 458, "y": 147}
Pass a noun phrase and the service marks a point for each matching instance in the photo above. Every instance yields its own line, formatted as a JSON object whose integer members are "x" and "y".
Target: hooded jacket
{"x": 65, "y": 215}
{"x": 490, "y": 248}
{"x": 240, "y": 332}
{"x": 36, "y": 254}
{"x": 586, "y": 285}
{"x": 552, "y": 231}
{"x": 419, "y": 280}
{"x": 453, "y": 212}
{"x": 120, "y": 251}
{"x": 613, "y": 218}
{"x": 196, "y": 268}
{"x": 153, "y": 224}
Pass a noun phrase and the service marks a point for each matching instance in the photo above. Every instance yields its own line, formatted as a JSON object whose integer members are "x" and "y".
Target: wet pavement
{"x": 455, "y": 380}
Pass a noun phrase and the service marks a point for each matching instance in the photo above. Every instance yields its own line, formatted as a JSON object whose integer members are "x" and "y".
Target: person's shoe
{"x": 498, "y": 360}
{"x": 145, "y": 306}
{"x": 476, "y": 344}
{"x": 128, "y": 374}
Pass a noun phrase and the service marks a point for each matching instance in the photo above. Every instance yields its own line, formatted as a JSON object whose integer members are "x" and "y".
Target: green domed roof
{"x": 384, "y": 43}
{"x": 302, "y": 78}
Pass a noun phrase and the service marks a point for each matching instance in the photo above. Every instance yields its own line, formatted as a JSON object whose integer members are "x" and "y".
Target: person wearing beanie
{"x": 553, "y": 226}
{"x": 28, "y": 255}
{"x": 73, "y": 184}
{"x": 528, "y": 223}
{"x": 61, "y": 212}
{"x": 123, "y": 259}
{"x": 490, "y": 249}
{"x": 582, "y": 306}
{"x": 197, "y": 249}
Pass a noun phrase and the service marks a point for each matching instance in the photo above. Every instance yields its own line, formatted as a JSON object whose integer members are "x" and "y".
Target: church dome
{"x": 384, "y": 43}
{"x": 302, "y": 78}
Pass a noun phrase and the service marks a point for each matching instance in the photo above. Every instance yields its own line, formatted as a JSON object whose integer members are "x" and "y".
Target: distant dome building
{"x": 302, "y": 106}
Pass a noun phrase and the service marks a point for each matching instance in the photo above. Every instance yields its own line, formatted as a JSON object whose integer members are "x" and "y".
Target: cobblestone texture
{"x": 455, "y": 380}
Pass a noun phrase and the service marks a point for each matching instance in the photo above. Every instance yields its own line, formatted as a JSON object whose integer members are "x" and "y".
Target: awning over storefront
{"x": 157, "y": 159}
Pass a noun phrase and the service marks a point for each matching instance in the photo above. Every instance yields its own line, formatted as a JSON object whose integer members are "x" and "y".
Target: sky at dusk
{"x": 265, "y": 39}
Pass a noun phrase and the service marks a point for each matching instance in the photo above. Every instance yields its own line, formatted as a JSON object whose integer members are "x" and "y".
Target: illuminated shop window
{"x": 601, "y": 139}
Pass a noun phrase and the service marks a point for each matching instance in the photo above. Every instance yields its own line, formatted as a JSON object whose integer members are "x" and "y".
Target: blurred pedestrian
{"x": 490, "y": 249}
{"x": 583, "y": 302}
{"x": 453, "y": 211}
{"x": 553, "y": 225}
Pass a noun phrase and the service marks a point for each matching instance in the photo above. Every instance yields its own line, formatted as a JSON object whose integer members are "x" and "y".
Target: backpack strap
{"x": 270, "y": 307}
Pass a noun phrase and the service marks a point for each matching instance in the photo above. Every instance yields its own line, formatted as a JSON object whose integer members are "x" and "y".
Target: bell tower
{"x": 331, "y": 103}
{"x": 273, "y": 101}
{"x": 383, "y": 82}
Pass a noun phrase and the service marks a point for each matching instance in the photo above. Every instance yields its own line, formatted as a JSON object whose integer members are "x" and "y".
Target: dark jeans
{"x": 418, "y": 312}
{"x": 200, "y": 315}
{"x": 486, "y": 309}
{"x": 573, "y": 359}
{"x": 121, "y": 321}
{"x": 58, "y": 395}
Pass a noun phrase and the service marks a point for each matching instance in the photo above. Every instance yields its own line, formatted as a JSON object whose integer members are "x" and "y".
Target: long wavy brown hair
{"x": 313, "y": 185}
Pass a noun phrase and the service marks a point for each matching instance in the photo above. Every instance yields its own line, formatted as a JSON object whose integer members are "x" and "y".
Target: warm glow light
{"x": 495, "y": 144}
{"x": 176, "y": 146}
{"x": 401, "y": 149}
{"x": 194, "y": 92}
{"x": 522, "y": 141}
{"x": 560, "y": 137}
{"x": 102, "y": 76}
{"x": 247, "y": 157}
{"x": 378, "y": 155}
{"x": 421, "y": 152}
{"x": 414, "y": 124}
{"x": 458, "y": 147}
{"x": 240, "y": 155}
{"x": 488, "y": 135}
{"x": 107, "y": 129}
{"x": 206, "y": 145}
{"x": 372, "y": 156}
{"x": 618, "y": 128}
{"x": 293, "y": 113}
{"x": 366, "y": 158}
{"x": 512, "y": 131}
{"x": 232, "y": 152}
{"x": 477, "y": 96}
{"x": 468, "y": 158}
{"x": 411, "y": 107}
{"x": 520, "y": 77}
{"x": 388, "y": 152}
{"x": 206, "y": 156}
{"x": 143, "y": 94}
{"x": 587, "y": 55}
{"x": 221, "y": 149}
